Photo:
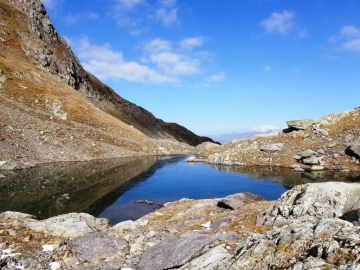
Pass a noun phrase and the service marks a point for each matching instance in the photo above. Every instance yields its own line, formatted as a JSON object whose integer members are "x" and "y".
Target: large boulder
{"x": 275, "y": 147}
{"x": 178, "y": 250}
{"x": 69, "y": 225}
{"x": 300, "y": 124}
{"x": 240, "y": 199}
{"x": 312, "y": 202}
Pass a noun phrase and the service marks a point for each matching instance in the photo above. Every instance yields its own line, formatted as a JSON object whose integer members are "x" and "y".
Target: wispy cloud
{"x": 278, "y": 22}
{"x": 71, "y": 19}
{"x": 128, "y": 4}
{"x": 217, "y": 77}
{"x": 267, "y": 68}
{"x": 349, "y": 38}
{"x": 106, "y": 63}
{"x": 171, "y": 57}
{"x": 265, "y": 128}
{"x": 50, "y": 4}
{"x": 167, "y": 12}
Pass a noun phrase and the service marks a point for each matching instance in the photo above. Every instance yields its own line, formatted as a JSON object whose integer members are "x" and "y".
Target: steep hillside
{"x": 47, "y": 100}
{"x": 43, "y": 45}
{"x": 332, "y": 142}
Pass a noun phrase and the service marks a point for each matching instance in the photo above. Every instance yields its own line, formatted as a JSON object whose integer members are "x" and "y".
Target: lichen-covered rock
{"x": 330, "y": 244}
{"x": 312, "y": 202}
{"x": 96, "y": 250}
{"x": 275, "y": 147}
{"x": 300, "y": 124}
{"x": 68, "y": 225}
{"x": 236, "y": 200}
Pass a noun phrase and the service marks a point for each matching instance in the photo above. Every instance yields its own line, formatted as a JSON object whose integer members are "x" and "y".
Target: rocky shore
{"x": 330, "y": 143}
{"x": 312, "y": 226}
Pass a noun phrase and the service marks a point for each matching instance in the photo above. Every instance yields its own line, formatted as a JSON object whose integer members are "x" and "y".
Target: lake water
{"x": 110, "y": 188}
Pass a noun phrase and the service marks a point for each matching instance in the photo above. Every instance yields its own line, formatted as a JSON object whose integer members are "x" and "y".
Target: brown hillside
{"x": 43, "y": 45}
{"x": 42, "y": 118}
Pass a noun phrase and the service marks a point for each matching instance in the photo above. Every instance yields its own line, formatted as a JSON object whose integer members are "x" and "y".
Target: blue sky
{"x": 216, "y": 66}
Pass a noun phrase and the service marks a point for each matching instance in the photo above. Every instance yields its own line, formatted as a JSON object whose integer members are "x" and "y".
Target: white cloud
{"x": 265, "y": 128}
{"x": 278, "y": 22}
{"x": 350, "y": 31}
{"x": 70, "y": 19}
{"x": 217, "y": 77}
{"x": 166, "y": 16}
{"x": 171, "y": 59}
{"x": 51, "y": 4}
{"x": 190, "y": 43}
{"x": 128, "y": 4}
{"x": 349, "y": 37}
{"x": 352, "y": 45}
{"x": 106, "y": 63}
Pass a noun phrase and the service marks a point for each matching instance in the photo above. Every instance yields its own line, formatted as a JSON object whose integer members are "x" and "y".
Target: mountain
{"x": 52, "y": 109}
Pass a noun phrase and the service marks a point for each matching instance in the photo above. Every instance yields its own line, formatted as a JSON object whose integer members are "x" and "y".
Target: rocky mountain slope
{"x": 52, "y": 109}
{"x": 332, "y": 142}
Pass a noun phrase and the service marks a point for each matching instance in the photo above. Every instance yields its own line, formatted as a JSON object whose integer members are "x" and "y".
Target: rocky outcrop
{"x": 312, "y": 202}
{"x": 315, "y": 229}
{"x": 300, "y": 124}
{"x": 307, "y": 145}
{"x": 44, "y": 46}
{"x": 240, "y": 199}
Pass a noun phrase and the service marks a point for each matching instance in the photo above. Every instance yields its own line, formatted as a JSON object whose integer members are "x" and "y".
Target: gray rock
{"x": 312, "y": 160}
{"x": 330, "y": 244}
{"x": 239, "y": 199}
{"x": 308, "y": 153}
{"x": 216, "y": 258}
{"x": 89, "y": 249}
{"x": 176, "y": 251}
{"x": 2, "y": 76}
{"x": 300, "y": 124}
{"x": 312, "y": 202}
{"x": 9, "y": 215}
{"x": 272, "y": 147}
{"x": 333, "y": 118}
{"x": 355, "y": 148}
{"x": 69, "y": 225}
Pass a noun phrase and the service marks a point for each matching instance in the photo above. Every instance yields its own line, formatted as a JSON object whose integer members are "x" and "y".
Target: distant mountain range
{"x": 223, "y": 138}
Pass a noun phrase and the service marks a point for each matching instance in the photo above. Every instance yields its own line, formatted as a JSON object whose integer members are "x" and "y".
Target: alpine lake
{"x": 128, "y": 188}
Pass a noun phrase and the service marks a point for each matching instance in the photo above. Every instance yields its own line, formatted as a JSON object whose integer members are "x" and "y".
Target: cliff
{"x": 52, "y": 109}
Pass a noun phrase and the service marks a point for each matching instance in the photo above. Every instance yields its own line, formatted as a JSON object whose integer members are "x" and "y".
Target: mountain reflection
{"x": 65, "y": 187}
{"x": 287, "y": 177}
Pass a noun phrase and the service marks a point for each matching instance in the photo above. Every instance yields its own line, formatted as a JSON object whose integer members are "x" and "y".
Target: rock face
{"x": 312, "y": 202}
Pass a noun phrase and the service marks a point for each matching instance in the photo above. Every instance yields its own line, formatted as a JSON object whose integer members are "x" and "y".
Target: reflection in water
{"x": 58, "y": 188}
{"x": 109, "y": 188}
{"x": 288, "y": 177}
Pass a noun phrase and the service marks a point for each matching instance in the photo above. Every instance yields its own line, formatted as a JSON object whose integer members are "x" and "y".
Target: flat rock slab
{"x": 239, "y": 199}
{"x": 96, "y": 245}
{"x": 68, "y": 225}
{"x": 275, "y": 147}
{"x": 300, "y": 124}
{"x": 176, "y": 251}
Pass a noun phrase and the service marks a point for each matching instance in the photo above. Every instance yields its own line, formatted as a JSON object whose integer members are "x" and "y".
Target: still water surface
{"x": 110, "y": 188}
